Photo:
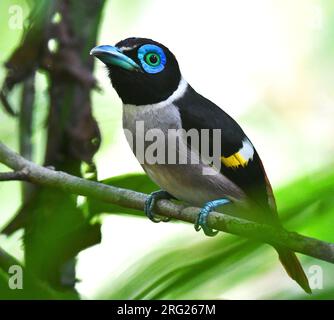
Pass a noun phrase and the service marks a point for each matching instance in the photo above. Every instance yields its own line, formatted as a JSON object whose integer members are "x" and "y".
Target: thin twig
{"x": 135, "y": 200}
{"x": 14, "y": 176}
{"x": 7, "y": 107}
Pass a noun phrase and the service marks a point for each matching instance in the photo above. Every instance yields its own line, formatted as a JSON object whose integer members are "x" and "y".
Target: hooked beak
{"x": 114, "y": 56}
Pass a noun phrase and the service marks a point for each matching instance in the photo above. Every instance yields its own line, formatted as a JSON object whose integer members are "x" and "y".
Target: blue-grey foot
{"x": 202, "y": 218}
{"x": 152, "y": 200}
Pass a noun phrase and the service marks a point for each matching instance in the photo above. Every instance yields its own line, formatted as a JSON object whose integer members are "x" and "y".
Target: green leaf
{"x": 135, "y": 181}
{"x": 56, "y": 230}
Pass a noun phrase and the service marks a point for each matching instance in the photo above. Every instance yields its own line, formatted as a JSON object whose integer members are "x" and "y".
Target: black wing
{"x": 200, "y": 113}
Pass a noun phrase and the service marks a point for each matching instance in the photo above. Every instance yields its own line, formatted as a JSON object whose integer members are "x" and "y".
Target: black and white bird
{"x": 148, "y": 80}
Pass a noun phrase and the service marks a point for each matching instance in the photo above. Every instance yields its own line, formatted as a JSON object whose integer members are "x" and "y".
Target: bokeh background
{"x": 269, "y": 64}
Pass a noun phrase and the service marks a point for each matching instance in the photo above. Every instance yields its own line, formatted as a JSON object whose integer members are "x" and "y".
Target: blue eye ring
{"x": 146, "y": 52}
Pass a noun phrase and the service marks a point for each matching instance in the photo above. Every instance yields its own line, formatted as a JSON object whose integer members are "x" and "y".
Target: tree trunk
{"x": 58, "y": 41}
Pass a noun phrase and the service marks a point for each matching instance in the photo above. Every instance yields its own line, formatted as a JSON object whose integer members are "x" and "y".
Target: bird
{"x": 147, "y": 78}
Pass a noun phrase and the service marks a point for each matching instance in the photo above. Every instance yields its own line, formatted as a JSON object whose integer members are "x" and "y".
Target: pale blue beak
{"x": 114, "y": 56}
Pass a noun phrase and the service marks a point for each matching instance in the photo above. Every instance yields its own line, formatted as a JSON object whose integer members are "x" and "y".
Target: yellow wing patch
{"x": 234, "y": 161}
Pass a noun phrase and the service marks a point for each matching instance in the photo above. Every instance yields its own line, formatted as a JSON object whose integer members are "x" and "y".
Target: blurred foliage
{"x": 208, "y": 269}
{"x": 64, "y": 231}
{"x": 72, "y": 133}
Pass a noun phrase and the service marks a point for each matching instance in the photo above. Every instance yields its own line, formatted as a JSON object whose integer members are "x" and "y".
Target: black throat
{"x": 142, "y": 89}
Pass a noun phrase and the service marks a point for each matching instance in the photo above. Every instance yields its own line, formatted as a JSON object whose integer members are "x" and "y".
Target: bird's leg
{"x": 152, "y": 200}
{"x": 202, "y": 218}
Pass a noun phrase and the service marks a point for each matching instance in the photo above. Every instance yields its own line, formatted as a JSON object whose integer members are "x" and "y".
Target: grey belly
{"x": 187, "y": 183}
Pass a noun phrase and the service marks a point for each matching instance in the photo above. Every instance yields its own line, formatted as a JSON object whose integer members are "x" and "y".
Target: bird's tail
{"x": 293, "y": 268}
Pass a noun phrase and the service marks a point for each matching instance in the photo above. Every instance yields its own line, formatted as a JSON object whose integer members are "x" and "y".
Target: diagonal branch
{"x": 20, "y": 175}
{"x": 135, "y": 200}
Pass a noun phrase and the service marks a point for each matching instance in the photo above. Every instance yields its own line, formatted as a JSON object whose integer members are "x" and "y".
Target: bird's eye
{"x": 152, "y": 58}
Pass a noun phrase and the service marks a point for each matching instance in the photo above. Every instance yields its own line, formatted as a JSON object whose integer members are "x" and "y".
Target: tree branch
{"x": 135, "y": 200}
{"x": 14, "y": 176}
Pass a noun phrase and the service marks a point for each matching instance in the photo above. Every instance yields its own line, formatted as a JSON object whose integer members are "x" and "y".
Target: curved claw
{"x": 202, "y": 218}
{"x": 150, "y": 203}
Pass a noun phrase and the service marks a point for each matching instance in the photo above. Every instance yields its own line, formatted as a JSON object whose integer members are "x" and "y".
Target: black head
{"x": 142, "y": 71}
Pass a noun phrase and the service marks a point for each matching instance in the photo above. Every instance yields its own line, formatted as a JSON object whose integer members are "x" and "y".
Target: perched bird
{"x": 148, "y": 80}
